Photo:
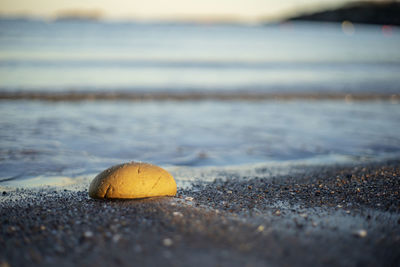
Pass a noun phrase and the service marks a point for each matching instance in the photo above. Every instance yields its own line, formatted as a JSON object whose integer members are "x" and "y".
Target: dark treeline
{"x": 362, "y": 12}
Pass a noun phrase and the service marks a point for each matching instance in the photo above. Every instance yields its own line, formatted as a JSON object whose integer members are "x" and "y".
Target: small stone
{"x": 133, "y": 180}
{"x": 229, "y": 192}
{"x": 167, "y": 242}
{"x": 260, "y": 228}
{"x": 177, "y": 214}
{"x": 189, "y": 198}
{"x": 278, "y": 212}
{"x": 88, "y": 234}
{"x": 4, "y": 193}
{"x": 360, "y": 233}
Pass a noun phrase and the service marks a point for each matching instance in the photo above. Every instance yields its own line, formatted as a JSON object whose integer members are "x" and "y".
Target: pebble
{"x": 361, "y": 233}
{"x": 132, "y": 180}
{"x": 177, "y": 214}
{"x": 260, "y": 228}
{"x": 88, "y": 234}
{"x": 168, "y": 242}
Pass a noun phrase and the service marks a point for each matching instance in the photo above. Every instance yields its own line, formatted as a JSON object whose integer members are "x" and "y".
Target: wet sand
{"x": 320, "y": 216}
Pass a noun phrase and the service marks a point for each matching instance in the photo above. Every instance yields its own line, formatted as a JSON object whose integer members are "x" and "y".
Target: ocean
{"x": 293, "y": 93}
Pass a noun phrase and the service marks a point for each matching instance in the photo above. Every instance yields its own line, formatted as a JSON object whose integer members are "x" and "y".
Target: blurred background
{"x": 88, "y": 84}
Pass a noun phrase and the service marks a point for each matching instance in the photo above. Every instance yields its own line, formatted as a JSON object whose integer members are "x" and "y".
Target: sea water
{"x": 75, "y": 138}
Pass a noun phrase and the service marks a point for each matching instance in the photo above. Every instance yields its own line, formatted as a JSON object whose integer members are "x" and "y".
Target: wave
{"x": 195, "y": 96}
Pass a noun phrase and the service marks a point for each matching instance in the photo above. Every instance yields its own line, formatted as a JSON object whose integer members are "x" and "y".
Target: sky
{"x": 167, "y": 9}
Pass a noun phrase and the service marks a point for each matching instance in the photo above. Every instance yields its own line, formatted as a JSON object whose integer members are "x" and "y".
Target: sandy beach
{"x": 345, "y": 215}
{"x": 282, "y": 136}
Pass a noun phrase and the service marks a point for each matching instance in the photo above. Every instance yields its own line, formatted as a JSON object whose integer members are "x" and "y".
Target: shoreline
{"x": 321, "y": 215}
{"x": 196, "y": 96}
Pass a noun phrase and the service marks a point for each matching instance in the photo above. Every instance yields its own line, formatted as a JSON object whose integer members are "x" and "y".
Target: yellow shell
{"x": 133, "y": 180}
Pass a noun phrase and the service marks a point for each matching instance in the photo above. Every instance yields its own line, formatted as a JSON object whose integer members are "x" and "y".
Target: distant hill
{"x": 362, "y": 12}
{"x": 79, "y": 15}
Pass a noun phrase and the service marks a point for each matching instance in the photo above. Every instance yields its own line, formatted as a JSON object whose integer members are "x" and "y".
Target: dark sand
{"x": 326, "y": 216}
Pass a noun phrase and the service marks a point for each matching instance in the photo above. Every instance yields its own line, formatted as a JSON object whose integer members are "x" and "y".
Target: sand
{"x": 321, "y": 216}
